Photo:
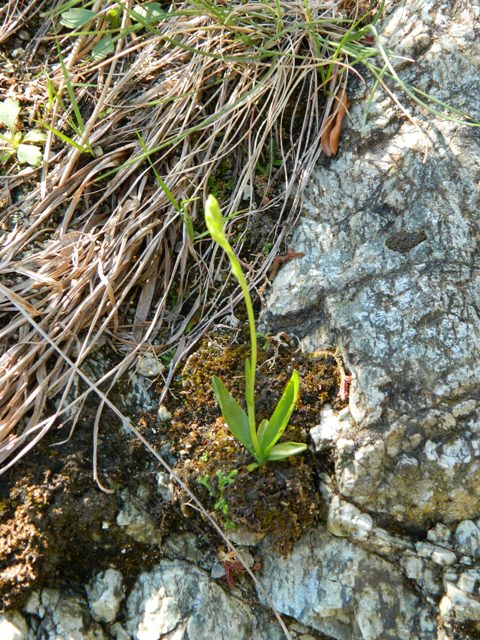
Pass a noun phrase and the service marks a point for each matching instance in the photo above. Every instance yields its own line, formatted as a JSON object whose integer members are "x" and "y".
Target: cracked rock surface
{"x": 391, "y": 274}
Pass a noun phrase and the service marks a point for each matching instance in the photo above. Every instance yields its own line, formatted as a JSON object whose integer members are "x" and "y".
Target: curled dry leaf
{"x": 330, "y": 136}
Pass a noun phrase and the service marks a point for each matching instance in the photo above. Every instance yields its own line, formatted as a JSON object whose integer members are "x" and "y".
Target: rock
{"x": 135, "y": 519}
{"x": 61, "y": 617}
{"x": 390, "y": 236}
{"x": 458, "y": 606}
{"x": 467, "y": 539}
{"x": 178, "y": 600}
{"x": 163, "y": 414}
{"x": 469, "y": 582}
{"x": 105, "y": 593}
{"x": 13, "y": 626}
{"x": 439, "y": 534}
{"x": 164, "y": 485}
{"x": 149, "y": 365}
{"x": 243, "y": 537}
{"x": 344, "y": 592}
{"x": 327, "y": 431}
{"x": 344, "y": 519}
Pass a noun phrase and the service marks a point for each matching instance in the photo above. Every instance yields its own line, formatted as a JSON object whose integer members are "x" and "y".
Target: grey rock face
{"x": 345, "y": 592}
{"x": 391, "y": 274}
{"x": 177, "y": 600}
{"x": 58, "y": 616}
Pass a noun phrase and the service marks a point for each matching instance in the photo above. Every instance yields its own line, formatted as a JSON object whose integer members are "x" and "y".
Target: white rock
{"x": 105, "y": 594}
{"x": 149, "y": 365}
{"x": 467, "y": 538}
{"x": 439, "y": 534}
{"x": 62, "y": 617}
{"x": 163, "y": 414}
{"x": 328, "y": 429}
{"x": 469, "y": 581}
{"x": 459, "y": 606}
{"x": 443, "y": 557}
{"x": 13, "y": 626}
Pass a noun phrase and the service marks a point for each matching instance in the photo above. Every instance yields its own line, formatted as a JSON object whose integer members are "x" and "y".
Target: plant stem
{"x": 250, "y": 376}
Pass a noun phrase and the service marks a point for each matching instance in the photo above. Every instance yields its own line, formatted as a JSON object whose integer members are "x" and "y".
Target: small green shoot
{"x": 14, "y": 142}
{"x": 218, "y": 493}
{"x": 261, "y": 443}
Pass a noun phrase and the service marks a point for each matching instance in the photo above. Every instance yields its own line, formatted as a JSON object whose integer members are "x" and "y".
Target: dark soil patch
{"x": 57, "y": 527}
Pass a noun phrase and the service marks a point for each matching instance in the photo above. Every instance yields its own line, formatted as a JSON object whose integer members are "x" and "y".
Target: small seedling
{"x": 261, "y": 443}
{"x": 223, "y": 481}
{"x": 13, "y": 142}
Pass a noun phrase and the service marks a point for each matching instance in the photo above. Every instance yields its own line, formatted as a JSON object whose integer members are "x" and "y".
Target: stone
{"x": 163, "y": 414}
{"x": 344, "y": 519}
{"x": 149, "y": 365}
{"x": 469, "y": 582}
{"x": 177, "y": 600}
{"x": 105, "y": 594}
{"x": 459, "y": 606}
{"x": 467, "y": 539}
{"x": 61, "y": 616}
{"x": 389, "y": 235}
{"x": 134, "y": 518}
{"x": 344, "y": 591}
{"x": 439, "y": 534}
{"x": 327, "y": 431}
{"x": 241, "y": 536}
{"x": 13, "y": 626}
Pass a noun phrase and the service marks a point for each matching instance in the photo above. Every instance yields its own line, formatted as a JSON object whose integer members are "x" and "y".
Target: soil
{"x": 58, "y": 528}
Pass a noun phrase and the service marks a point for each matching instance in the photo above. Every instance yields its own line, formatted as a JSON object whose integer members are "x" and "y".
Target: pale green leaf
{"x": 34, "y": 136}
{"x": 103, "y": 48}
{"x": 76, "y": 18}
{"x": 149, "y": 12}
{"x": 285, "y": 450}
{"x": 279, "y": 420}
{"x": 9, "y": 110}
{"x": 29, "y": 154}
{"x": 233, "y": 414}
{"x": 5, "y": 155}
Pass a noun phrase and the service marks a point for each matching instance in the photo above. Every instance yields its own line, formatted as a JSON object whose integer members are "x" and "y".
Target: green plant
{"x": 261, "y": 443}
{"x": 223, "y": 481}
{"x": 14, "y": 142}
{"x": 80, "y": 19}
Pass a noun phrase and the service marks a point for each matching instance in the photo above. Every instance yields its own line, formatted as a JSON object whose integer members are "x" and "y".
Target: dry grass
{"x": 107, "y": 249}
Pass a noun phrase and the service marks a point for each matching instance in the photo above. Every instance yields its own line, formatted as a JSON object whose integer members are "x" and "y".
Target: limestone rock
{"x": 178, "y": 600}
{"x": 390, "y": 273}
{"x": 105, "y": 593}
{"x": 59, "y": 616}
{"x": 345, "y": 592}
{"x": 13, "y": 626}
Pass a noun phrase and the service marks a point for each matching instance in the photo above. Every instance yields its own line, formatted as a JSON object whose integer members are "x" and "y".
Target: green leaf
{"x": 75, "y": 18}
{"x": 148, "y": 12}
{"x": 233, "y": 414}
{"x": 6, "y": 155}
{"x": 285, "y": 450}
{"x": 34, "y": 136}
{"x": 9, "y": 110}
{"x": 30, "y": 154}
{"x": 261, "y": 430}
{"x": 103, "y": 48}
{"x": 279, "y": 420}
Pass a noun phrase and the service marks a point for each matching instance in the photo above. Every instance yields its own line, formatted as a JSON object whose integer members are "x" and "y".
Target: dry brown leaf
{"x": 330, "y": 137}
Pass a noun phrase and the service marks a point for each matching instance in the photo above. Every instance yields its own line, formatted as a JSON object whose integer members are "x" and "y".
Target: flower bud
{"x": 215, "y": 221}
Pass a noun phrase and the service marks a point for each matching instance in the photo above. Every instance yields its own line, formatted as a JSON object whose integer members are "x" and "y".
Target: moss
{"x": 280, "y": 499}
